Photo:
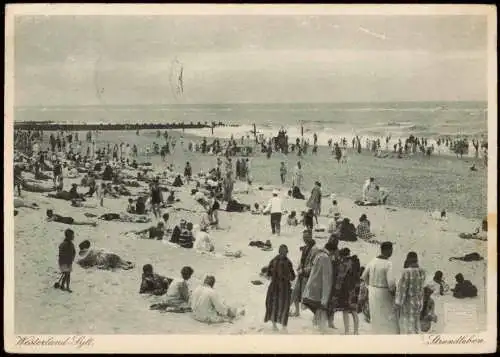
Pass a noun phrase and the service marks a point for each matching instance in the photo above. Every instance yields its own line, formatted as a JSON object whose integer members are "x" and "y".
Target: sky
{"x": 119, "y": 60}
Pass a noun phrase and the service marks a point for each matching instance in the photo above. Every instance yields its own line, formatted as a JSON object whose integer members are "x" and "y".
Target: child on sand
{"x": 292, "y": 219}
{"x": 67, "y": 253}
{"x": 428, "y": 315}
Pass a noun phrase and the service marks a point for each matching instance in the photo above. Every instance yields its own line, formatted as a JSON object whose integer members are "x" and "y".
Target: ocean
{"x": 422, "y": 119}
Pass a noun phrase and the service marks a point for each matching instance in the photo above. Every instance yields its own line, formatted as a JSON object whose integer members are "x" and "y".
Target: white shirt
{"x": 203, "y": 242}
{"x": 207, "y": 305}
{"x": 274, "y": 205}
{"x": 366, "y": 187}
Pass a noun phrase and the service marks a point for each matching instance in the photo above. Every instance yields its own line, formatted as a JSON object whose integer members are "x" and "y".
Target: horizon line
{"x": 259, "y": 103}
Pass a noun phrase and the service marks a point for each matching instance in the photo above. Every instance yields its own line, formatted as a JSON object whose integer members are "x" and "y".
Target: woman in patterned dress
{"x": 410, "y": 295}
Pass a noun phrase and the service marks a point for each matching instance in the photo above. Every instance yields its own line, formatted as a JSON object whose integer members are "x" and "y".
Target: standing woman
{"x": 345, "y": 288}
{"x": 410, "y": 296}
{"x": 279, "y": 293}
{"x": 314, "y": 201}
{"x": 298, "y": 176}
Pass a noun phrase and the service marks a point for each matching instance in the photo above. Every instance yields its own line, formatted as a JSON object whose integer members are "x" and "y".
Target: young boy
{"x": 283, "y": 173}
{"x": 67, "y": 254}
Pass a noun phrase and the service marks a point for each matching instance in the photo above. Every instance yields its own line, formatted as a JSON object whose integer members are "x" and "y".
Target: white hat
{"x": 275, "y": 192}
{"x": 333, "y": 196}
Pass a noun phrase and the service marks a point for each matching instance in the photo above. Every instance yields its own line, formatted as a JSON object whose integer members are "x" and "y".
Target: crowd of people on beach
{"x": 327, "y": 280}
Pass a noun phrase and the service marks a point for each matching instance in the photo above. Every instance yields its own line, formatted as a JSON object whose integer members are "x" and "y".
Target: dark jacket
{"x": 67, "y": 252}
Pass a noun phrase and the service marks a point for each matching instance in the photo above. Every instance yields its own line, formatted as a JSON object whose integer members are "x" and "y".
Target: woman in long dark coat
{"x": 279, "y": 293}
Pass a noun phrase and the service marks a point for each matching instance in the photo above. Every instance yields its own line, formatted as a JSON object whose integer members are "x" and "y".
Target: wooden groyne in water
{"x": 48, "y": 126}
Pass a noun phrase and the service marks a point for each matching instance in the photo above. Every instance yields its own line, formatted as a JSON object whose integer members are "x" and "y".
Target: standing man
{"x": 381, "y": 290}
{"x": 274, "y": 207}
{"x": 316, "y": 294}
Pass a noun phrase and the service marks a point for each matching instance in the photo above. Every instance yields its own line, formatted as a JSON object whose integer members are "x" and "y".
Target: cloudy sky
{"x": 63, "y": 60}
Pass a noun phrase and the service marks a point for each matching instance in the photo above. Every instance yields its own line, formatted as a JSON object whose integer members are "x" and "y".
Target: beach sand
{"x": 105, "y": 302}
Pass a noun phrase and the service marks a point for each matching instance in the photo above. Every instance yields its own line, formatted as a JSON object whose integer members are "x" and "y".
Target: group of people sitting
{"x": 204, "y": 303}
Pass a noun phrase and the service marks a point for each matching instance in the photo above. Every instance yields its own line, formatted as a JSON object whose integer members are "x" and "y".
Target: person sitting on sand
{"x": 52, "y": 217}
{"x": 89, "y": 257}
{"x": 346, "y": 231}
{"x": 178, "y": 293}
{"x": 203, "y": 241}
{"x": 438, "y": 285}
{"x": 291, "y": 220}
{"x": 206, "y": 220}
{"x": 383, "y": 194}
{"x": 186, "y": 239}
{"x": 74, "y": 192}
{"x": 152, "y": 283}
{"x": 140, "y": 206}
{"x": 207, "y": 306}
{"x": 130, "y": 206}
{"x": 428, "y": 314}
{"x": 333, "y": 223}
{"x": 256, "y": 209}
{"x": 363, "y": 229}
{"x": 334, "y": 211}
{"x": 177, "y": 181}
{"x": 295, "y": 193}
{"x": 18, "y": 203}
{"x": 463, "y": 288}
{"x": 177, "y": 231}
{"x": 481, "y": 233}
{"x": 200, "y": 198}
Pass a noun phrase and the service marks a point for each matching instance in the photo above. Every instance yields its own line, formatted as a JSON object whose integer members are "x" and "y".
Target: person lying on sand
{"x": 463, "y": 288}
{"x": 90, "y": 256}
{"x": 18, "y": 203}
{"x": 155, "y": 232}
{"x": 52, "y": 217}
{"x": 79, "y": 203}
{"x": 471, "y": 257}
{"x": 207, "y": 306}
{"x": 481, "y": 233}
{"x": 152, "y": 283}
{"x": 122, "y": 217}
{"x": 363, "y": 228}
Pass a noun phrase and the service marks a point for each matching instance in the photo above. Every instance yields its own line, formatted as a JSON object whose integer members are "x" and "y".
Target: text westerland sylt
{"x": 78, "y": 341}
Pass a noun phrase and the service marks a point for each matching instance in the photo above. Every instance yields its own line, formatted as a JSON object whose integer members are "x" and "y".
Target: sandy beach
{"x": 105, "y": 302}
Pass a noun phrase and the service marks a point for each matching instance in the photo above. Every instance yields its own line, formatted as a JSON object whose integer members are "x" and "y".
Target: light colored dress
{"x": 207, "y": 306}
{"x": 410, "y": 296}
{"x": 380, "y": 281}
{"x": 319, "y": 285}
{"x": 178, "y": 294}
